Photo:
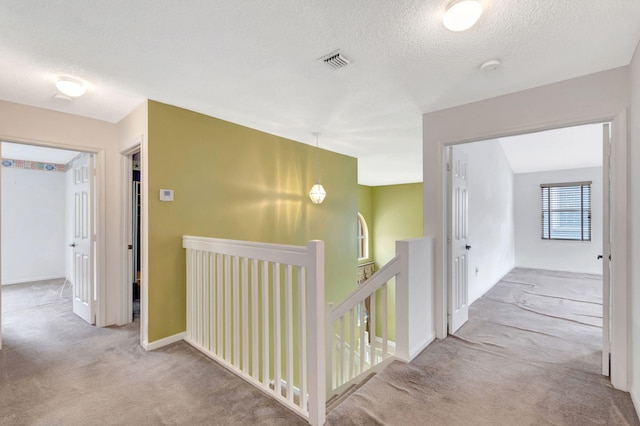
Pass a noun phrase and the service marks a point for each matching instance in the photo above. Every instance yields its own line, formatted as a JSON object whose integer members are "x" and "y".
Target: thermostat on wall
{"x": 166, "y": 195}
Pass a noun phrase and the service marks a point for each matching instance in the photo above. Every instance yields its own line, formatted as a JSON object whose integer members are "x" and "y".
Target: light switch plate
{"x": 166, "y": 195}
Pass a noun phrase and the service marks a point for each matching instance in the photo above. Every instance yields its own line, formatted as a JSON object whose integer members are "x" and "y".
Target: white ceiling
{"x": 254, "y": 62}
{"x": 17, "y": 151}
{"x": 567, "y": 148}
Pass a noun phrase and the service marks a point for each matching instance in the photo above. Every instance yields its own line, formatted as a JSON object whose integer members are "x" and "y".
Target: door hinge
{"x": 448, "y": 167}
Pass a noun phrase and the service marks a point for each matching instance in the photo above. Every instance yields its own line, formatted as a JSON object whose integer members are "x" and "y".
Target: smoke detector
{"x": 490, "y": 65}
{"x": 335, "y": 60}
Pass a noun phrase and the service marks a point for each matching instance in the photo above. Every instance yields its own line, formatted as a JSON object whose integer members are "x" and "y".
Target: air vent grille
{"x": 335, "y": 60}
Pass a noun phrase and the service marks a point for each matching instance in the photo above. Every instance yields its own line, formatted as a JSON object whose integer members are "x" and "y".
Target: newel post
{"x": 316, "y": 342}
{"x": 414, "y": 297}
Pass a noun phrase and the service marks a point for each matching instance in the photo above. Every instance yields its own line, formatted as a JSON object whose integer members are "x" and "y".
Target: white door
{"x": 83, "y": 239}
{"x": 606, "y": 249}
{"x": 458, "y": 295}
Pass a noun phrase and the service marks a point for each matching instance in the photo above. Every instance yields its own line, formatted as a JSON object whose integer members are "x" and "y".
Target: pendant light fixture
{"x": 317, "y": 192}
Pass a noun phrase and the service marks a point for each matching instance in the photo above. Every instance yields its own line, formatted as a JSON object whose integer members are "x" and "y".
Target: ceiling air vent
{"x": 335, "y": 60}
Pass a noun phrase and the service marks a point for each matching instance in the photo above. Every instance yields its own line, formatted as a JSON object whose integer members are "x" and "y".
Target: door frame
{"x": 127, "y": 303}
{"x": 127, "y": 175}
{"x": 619, "y": 345}
{"x": 100, "y": 214}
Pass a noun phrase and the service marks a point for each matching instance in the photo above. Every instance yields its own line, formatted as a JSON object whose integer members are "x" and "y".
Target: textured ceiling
{"x": 255, "y": 62}
{"x": 559, "y": 149}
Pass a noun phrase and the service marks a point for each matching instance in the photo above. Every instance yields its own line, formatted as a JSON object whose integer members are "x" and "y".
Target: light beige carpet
{"x": 529, "y": 355}
{"x": 55, "y": 369}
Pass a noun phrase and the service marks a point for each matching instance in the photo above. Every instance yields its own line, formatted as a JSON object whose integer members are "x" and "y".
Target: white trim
{"x": 157, "y": 344}
{"x": 416, "y": 351}
{"x": 595, "y": 98}
{"x": 144, "y": 240}
{"x": 101, "y": 244}
{"x": 30, "y": 280}
{"x": 635, "y": 398}
{"x": 126, "y": 291}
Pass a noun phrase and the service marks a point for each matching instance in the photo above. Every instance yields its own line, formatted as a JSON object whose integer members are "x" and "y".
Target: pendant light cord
{"x": 317, "y": 134}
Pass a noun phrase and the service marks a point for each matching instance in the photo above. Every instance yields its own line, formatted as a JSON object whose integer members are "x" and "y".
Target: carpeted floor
{"x": 529, "y": 355}
{"x": 55, "y": 369}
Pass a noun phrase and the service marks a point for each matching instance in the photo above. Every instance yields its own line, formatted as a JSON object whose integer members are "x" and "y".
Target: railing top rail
{"x": 287, "y": 254}
{"x": 377, "y": 280}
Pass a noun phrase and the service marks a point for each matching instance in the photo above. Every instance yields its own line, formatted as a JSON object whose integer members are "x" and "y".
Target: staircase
{"x": 258, "y": 310}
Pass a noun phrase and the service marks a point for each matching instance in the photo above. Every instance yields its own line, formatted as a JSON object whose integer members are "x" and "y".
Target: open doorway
{"x": 505, "y": 182}
{"x": 49, "y": 222}
{"x": 133, "y": 232}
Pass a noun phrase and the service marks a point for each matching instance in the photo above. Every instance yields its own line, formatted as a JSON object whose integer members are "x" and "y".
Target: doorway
{"x": 614, "y": 350}
{"x": 133, "y": 234}
{"x": 507, "y": 180}
{"x": 49, "y": 221}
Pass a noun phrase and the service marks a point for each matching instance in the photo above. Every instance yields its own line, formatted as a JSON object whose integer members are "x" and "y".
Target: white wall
{"x": 572, "y": 256}
{"x": 33, "y": 210}
{"x": 491, "y": 216}
{"x": 635, "y": 227}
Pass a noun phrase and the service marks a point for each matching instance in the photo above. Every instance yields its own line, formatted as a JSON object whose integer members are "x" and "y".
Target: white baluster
{"x": 385, "y": 321}
{"x": 254, "y": 320}
{"x": 219, "y": 304}
{"x": 227, "y": 308}
{"x": 372, "y": 330}
{"x": 277, "y": 344}
{"x": 302, "y": 336}
{"x": 265, "y": 325}
{"x": 288, "y": 327}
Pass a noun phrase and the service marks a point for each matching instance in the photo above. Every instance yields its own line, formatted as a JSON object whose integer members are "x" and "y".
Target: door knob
{"x": 467, "y": 247}
{"x": 130, "y": 247}
{"x": 72, "y": 245}
{"x": 599, "y": 256}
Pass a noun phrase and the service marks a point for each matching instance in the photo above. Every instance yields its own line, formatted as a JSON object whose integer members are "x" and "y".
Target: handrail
{"x": 295, "y": 255}
{"x": 377, "y": 280}
{"x": 244, "y": 300}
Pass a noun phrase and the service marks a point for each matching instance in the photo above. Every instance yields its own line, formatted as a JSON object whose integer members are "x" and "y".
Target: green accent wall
{"x": 234, "y": 182}
{"x": 393, "y": 212}
{"x": 397, "y": 215}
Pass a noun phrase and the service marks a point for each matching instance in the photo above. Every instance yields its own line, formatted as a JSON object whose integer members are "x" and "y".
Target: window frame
{"x": 584, "y": 211}
{"x": 362, "y": 238}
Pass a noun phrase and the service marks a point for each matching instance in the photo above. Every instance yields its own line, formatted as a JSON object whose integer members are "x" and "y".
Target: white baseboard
{"x": 157, "y": 344}
{"x": 32, "y": 279}
{"x": 416, "y": 351}
{"x": 635, "y": 398}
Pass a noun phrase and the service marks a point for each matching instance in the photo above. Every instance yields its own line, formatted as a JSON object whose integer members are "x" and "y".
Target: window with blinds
{"x": 566, "y": 211}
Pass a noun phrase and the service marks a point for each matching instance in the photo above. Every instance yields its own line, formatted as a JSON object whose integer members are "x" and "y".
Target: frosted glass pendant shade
{"x": 317, "y": 193}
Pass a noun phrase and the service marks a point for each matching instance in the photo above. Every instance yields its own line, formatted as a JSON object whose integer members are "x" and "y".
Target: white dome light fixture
{"x": 462, "y": 15}
{"x": 70, "y": 87}
{"x": 317, "y": 192}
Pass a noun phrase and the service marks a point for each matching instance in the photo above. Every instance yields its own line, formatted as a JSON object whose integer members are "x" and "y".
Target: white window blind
{"x": 566, "y": 211}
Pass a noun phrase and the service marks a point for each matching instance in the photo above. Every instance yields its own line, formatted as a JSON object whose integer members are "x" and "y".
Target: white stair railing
{"x": 258, "y": 310}
{"x": 355, "y": 346}
{"x": 353, "y": 343}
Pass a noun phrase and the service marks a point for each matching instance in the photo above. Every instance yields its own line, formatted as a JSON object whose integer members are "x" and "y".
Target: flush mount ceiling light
{"x": 70, "y": 87}
{"x": 462, "y": 14}
{"x": 317, "y": 192}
